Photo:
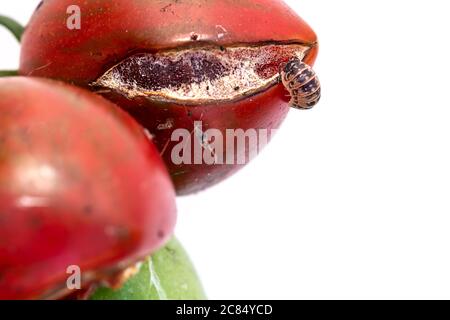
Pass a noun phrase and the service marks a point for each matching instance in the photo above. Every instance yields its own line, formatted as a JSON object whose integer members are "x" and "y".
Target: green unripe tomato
{"x": 166, "y": 275}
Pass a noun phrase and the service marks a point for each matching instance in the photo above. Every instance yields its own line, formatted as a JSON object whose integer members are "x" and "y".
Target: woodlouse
{"x": 302, "y": 83}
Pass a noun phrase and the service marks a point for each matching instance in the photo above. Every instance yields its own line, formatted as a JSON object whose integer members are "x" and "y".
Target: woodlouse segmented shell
{"x": 302, "y": 83}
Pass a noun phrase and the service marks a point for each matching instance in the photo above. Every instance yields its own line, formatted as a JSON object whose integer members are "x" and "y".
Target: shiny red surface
{"x": 112, "y": 30}
{"x": 80, "y": 184}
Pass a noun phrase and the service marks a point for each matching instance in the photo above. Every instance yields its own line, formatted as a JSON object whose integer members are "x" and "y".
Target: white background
{"x": 351, "y": 199}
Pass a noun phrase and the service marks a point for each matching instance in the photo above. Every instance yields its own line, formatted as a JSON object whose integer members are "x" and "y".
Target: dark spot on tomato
{"x": 167, "y": 8}
{"x": 35, "y": 222}
{"x": 87, "y": 209}
{"x": 161, "y": 234}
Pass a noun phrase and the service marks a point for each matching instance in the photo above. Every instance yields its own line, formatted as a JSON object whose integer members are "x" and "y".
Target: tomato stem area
{"x": 8, "y": 73}
{"x": 13, "y": 26}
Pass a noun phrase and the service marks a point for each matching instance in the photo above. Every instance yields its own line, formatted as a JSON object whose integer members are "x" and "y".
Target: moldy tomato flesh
{"x": 80, "y": 184}
{"x": 172, "y": 63}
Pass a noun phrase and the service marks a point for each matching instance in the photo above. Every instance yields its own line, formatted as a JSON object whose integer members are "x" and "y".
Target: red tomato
{"x": 172, "y": 63}
{"x": 80, "y": 185}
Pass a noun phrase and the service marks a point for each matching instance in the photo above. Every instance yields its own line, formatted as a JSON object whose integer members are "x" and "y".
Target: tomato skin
{"x": 110, "y": 30}
{"x": 80, "y": 184}
{"x": 113, "y": 30}
{"x": 250, "y": 114}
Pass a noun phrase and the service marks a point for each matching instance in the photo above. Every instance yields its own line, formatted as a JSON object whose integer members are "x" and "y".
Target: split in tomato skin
{"x": 80, "y": 184}
{"x": 112, "y": 32}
